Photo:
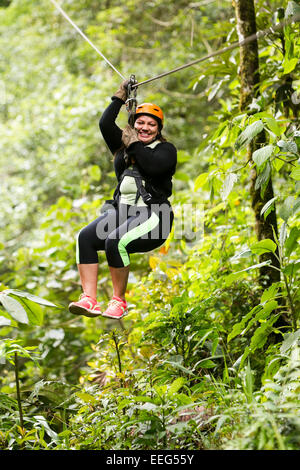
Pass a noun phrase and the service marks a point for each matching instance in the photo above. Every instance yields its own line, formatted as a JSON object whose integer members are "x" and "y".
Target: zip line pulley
{"x": 131, "y": 101}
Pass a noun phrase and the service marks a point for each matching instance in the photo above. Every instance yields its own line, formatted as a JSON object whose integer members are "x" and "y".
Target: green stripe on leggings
{"x": 135, "y": 233}
{"x": 77, "y": 248}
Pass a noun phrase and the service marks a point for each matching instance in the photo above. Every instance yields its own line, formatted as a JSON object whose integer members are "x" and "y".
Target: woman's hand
{"x": 129, "y": 136}
{"x": 122, "y": 92}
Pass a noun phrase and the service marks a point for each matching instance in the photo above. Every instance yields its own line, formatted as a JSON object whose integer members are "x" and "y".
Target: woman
{"x": 139, "y": 218}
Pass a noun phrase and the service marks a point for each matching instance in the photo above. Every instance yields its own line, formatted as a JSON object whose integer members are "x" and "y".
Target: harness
{"x": 141, "y": 190}
{"x": 157, "y": 197}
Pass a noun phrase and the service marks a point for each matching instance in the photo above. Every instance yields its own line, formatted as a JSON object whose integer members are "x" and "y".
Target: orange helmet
{"x": 152, "y": 110}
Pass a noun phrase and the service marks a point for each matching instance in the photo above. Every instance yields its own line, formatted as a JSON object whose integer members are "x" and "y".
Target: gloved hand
{"x": 122, "y": 91}
{"x": 129, "y": 136}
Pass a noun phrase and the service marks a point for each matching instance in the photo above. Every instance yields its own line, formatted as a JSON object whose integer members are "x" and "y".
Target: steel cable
{"x": 85, "y": 37}
{"x": 245, "y": 41}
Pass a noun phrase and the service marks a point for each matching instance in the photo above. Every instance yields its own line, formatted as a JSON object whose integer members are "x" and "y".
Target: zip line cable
{"x": 232, "y": 46}
{"x": 86, "y": 38}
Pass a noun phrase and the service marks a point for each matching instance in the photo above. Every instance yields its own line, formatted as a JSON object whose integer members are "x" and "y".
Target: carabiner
{"x": 131, "y": 101}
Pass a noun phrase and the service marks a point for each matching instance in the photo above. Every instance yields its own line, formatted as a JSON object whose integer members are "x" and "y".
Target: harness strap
{"x": 141, "y": 190}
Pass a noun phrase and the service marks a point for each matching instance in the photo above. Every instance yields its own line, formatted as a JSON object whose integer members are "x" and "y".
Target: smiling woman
{"x": 147, "y": 129}
{"x": 140, "y": 217}
{"x": 149, "y": 121}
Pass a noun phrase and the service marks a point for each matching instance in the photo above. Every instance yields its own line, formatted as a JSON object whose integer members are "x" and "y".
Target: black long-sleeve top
{"x": 156, "y": 165}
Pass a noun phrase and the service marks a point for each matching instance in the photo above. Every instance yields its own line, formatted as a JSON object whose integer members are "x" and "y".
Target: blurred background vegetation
{"x": 208, "y": 357}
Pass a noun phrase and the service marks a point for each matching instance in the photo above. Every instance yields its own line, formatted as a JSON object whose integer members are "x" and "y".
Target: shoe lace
{"x": 115, "y": 302}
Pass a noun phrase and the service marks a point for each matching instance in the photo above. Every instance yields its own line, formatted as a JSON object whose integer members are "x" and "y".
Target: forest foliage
{"x": 209, "y": 355}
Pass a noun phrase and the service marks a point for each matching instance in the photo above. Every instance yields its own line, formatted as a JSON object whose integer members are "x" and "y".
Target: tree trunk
{"x": 249, "y": 77}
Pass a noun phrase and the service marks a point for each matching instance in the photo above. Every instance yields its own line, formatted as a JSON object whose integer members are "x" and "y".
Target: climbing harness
{"x": 141, "y": 190}
{"x": 133, "y": 84}
{"x": 131, "y": 101}
{"x": 147, "y": 197}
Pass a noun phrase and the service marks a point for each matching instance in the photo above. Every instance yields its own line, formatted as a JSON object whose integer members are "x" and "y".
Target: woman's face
{"x": 147, "y": 128}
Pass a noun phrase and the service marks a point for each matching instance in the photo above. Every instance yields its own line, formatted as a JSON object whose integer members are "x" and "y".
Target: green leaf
{"x": 286, "y": 210}
{"x": 288, "y": 146}
{"x": 248, "y": 134}
{"x": 263, "y": 246}
{"x": 261, "y": 314}
{"x": 244, "y": 356}
{"x": 148, "y": 407}
{"x": 268, "y": 207}
{"x": 8, "y": 403}
{"x": 179, "y": 366}
{"x": 291, "y": 268}
{"x": 269, "y": 293}
{"x": 34, "y": 311}
{"x": 176, "y": 386}
{"x": 14, "y": 308}
{"x": 86, "y": 397}
{"x": 277, "y": 164}
{"x": 206, "y": 364}
{"x": 296, "y": 206}
{"x": 214, "y": 90}
{"x": 201, "y": 180}
{"x": 289, "y": 64}
{"x": 292, "y": 9}
{"x": 269, "y": 306}
{"x": 242, "y": 254}
{"x": 248, "y": 383}
{"x": 290, "y": 340}
{"x": 262, "y": 333}
{"x": 230, "y": 179}
{"x": 34, "y": 298}
{"x": 230, "y": 278}
{"x": 240, "y": 326}
{"x": 179, "y": 427}
{"x": 4, "y": 321}
{"x": 263, "y": 178}
{"x": 282, "y": 234}
{"x": 41, "y": 421}
{"x": 291, "y": 241}
{"x": 273, "y": 125}
{"x": 258, "y": 313}
{"x": 219, "y": 130}
{"x": 263, "y": 154}
{"x": 295, "y": 174}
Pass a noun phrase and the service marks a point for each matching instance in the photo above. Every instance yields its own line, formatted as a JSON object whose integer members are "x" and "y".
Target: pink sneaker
{"x": 86, "y": 306}
{"x": 117, "y": 308}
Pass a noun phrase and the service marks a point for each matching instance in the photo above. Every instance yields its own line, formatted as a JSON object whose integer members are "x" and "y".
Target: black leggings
{"x": 124, "y": 230}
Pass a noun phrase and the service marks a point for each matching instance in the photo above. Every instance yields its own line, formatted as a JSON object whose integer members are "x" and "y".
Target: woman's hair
{"x": 161, "y": 137}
